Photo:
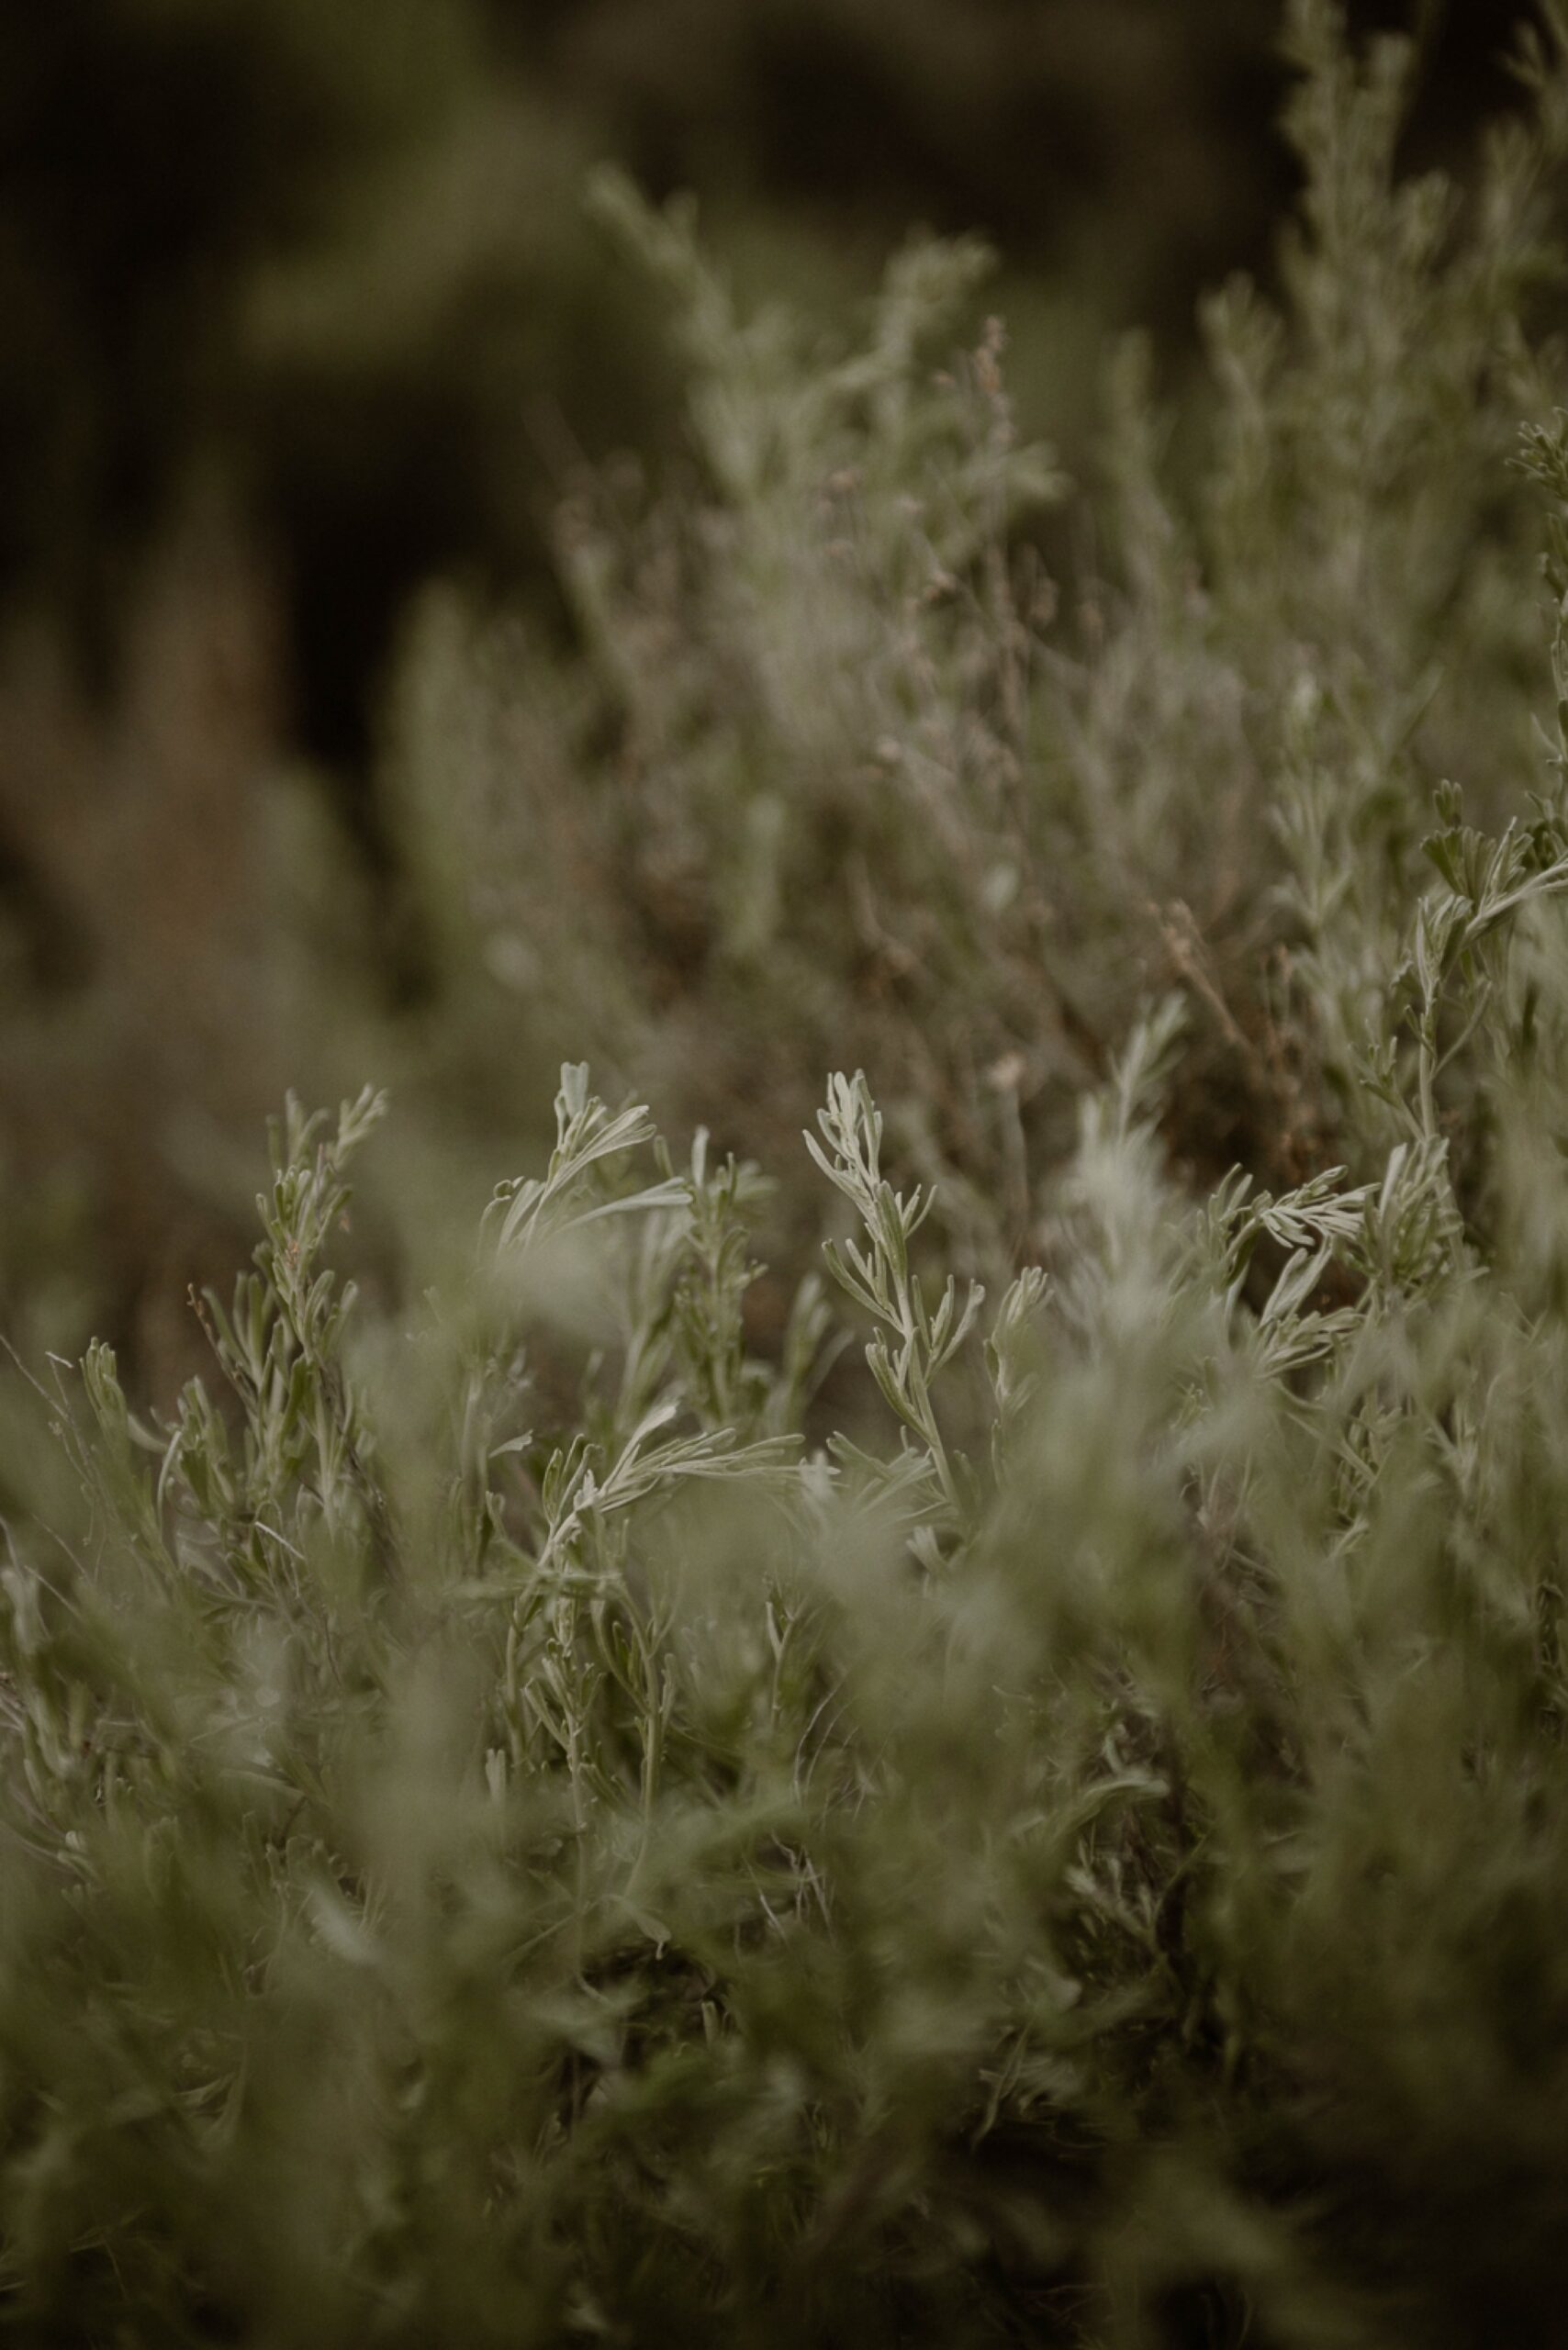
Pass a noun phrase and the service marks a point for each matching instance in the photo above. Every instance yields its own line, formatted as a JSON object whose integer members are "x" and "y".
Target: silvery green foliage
{"x": 815, "y": 664}
{"x": 836, "y": 777}
{"x": 567, "y": 1809}
{"x": 777, "y": 1908}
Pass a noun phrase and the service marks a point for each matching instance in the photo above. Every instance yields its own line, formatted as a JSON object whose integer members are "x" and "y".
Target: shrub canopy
{"x": 563, "y": 1807}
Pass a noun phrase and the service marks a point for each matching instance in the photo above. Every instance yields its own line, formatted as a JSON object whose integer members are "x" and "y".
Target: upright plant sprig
{"x": 716, "y": 1271}
{"x": 1459, "y": 938}
{"x": 880, "y": 1276}
{"x": 576, "y": 1189}
{"x": 587, "y": 1655}
{"x": 278, "y": 1344}
{"x": 1457, "y": 928}
{"x": 587, "y": 1134}
{"x": 579, "y": 1487}
{"x": 308, "y": 1201}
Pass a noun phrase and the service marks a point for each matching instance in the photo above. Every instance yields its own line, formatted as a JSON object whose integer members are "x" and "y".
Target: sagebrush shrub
{"x": 521, "y": 1829}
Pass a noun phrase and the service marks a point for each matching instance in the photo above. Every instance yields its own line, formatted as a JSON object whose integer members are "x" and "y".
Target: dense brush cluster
{"x": 567, "y": 1810}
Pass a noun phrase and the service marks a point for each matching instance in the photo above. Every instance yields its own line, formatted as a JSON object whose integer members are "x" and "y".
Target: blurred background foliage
{"x": 305, "y": 317}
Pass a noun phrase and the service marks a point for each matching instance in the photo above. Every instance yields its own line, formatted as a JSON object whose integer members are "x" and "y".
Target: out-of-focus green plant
{"x": 552, "y": 1811}
{"x": 843, "y": 778}
{"x": 500, "y": 1882}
